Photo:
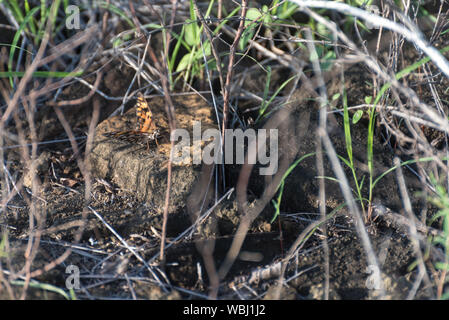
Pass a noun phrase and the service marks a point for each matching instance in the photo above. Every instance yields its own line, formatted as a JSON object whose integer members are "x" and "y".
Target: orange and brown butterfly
{"x": 146, "y": 130}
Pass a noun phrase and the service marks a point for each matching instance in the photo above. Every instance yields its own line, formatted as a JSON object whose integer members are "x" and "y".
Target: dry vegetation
{"x": 359, "y": 205}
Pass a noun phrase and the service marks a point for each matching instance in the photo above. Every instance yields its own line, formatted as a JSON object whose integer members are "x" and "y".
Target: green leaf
{"x": 117, "y": 43}
{"x": 266, "y": 15}
{"x": 357, "y": 116}
{"x": 207, "y": 51}
{"x": 313, "y": 55}
{"x": 247, "y": 35}
{"x": 327, "y": 61}
{"x": 442, "y": 266}
{"x": 251, "y": 15}
{"x": 287, "y": 10}
{"x": 322, "y": 30}
{"x": 368, "y": 99}
{"x": 191, "y": 36}
{"x": 184, "y": 63}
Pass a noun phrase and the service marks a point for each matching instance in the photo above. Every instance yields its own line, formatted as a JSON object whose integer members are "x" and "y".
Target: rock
{"x": 317, "y": 293}
{"x": 41, "y": 165}
{"x": 142, "y": 169}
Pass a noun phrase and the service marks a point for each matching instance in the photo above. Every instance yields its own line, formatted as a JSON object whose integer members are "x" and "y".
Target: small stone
{"x": 41, "y": 166}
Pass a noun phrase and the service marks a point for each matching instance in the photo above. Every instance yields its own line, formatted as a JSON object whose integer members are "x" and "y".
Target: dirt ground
{"x": 127, "y": 196}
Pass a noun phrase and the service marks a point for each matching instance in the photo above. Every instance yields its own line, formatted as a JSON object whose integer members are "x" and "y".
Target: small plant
{"x": 253, "y": 17}
{"x": 280, "y": 188}
{"x": 33, "y": 22}
{"x": 441, "y": 201}
{"x": 32, "y": 27}
{"x": 192, "y": 63}
{"x": 372, "y": 116}
{"x": 350, "y": 161}
{"x": 46, "y": 287}
{"x": 266, "y": 102}
{"x": 370, "y": 139}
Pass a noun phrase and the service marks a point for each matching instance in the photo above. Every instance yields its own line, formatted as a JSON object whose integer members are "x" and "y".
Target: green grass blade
{"x": 381, "y": 93}
{"x": 293, "y": 166}
{"x": 31, "y": 23}
{"x": 15, "y": 8}
{"x": 347, "y": 162}
{"x": 42, "y": 286}
{"x": 226, "y": 19}
{"x": 117, "y": 11}
{"x": 16, "y": 40}
{"x": 176, "y": 48}
{"x": 403, "y": 164}
{"x": 265, "y": 106}
{"x": 3, "y": 252}
{"x": 42, "y": 74}
{"x": 280, "y": 187}
{"x": 405, "y": 72}
{"x": 347, "y": 128}
{"x": 277, "y": 203}
{"x": 265, "y": 92}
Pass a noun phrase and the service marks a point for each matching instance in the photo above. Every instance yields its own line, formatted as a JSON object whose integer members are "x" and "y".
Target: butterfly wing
{"x": 146, "y": 128}
{"x": 144, "y": 115}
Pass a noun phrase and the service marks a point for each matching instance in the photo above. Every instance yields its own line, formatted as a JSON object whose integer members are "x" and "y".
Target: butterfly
{"x": 146, "y": 130}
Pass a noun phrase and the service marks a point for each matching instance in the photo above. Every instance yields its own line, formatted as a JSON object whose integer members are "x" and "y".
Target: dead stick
{"x": 227, "y": 87}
